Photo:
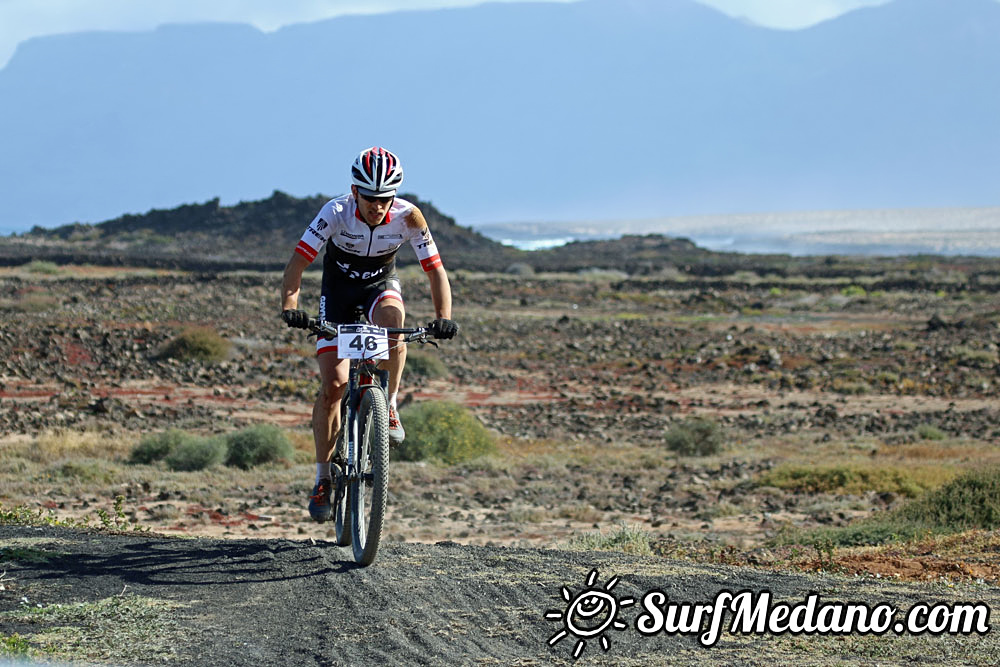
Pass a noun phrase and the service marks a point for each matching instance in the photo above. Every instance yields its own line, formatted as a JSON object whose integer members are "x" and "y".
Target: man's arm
{"x": 292, "y": 281}
{"x": 440, "y": 292}
{"x": 423, "y": 245}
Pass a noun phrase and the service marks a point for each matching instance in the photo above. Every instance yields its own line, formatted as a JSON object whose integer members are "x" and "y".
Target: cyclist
{"x": 362, "y": 232}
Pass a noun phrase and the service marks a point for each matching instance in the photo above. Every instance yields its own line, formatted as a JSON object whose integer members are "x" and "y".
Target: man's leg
{"x": 333, "y": 374}
{"x": 326, "y": 424}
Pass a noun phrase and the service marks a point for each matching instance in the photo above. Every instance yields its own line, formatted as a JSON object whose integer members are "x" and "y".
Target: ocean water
{"x": 966, "y": 231}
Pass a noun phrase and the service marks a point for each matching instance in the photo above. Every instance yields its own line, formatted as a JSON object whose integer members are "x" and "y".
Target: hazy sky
{"x": 22, "y": 19}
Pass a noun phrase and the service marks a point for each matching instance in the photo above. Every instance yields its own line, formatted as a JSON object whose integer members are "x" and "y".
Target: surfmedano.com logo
{"x": 593, "y": 611}
{"x": 589, "y": 614}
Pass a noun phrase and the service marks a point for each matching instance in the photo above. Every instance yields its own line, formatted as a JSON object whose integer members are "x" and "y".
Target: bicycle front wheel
{"x": 369, "y": 490}
{"x": 341, "y": 510}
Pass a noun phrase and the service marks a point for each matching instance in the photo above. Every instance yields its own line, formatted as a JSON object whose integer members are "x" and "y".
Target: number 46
{"x": 370, "y": 343}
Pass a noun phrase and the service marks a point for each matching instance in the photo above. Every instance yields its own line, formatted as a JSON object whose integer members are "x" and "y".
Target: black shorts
{"x": 343, "y": 301}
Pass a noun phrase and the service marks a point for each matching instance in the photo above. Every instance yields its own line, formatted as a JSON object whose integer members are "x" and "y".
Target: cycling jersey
{"x": 362, "y": 253}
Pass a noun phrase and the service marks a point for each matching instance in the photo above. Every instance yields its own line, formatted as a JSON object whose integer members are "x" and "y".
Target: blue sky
{"x": 23, "y": 19}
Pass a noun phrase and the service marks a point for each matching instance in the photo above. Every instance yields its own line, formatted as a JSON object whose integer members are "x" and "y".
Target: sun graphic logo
{"x": 589, "y": 614}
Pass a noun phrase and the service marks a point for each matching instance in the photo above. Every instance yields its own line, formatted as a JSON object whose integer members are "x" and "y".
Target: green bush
{"x": 196, "y": 454}
{"x": 853, "y": 290}
{"x": 445, "y": 432}
{"x": 14, "y": 646}
{"x": 930, "y": 432}
{"x": 196, "y": 344}
{"x": 871, "y": 532}
{"x": 85, "y": 470}
{"x": 157, "y": 446}
{"x": 850, "y": 387}
{"x": 42, "y": 267}
{"x": 967, "y": 502}
{"x": 253, "y": 446}
{"x": 245, "y": 449}
{"x": 854, "y": 479}
{"x": 967, "y": 356}
{"x": 695, "y": 436}
{"x": 425, "y": 364}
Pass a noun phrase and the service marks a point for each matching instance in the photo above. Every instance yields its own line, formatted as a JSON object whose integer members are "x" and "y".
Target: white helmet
{"x": 377, "y": 172}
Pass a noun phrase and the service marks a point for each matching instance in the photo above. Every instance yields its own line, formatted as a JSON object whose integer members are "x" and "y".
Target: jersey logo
{"x": 322, "y": 224}
{"x": 344, "y": 232}
{"x": 358, "y": 275}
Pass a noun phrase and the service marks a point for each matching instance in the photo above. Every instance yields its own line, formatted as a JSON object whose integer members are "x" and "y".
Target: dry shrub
{"x": 856, "y": 479}
{"x": 64, "y": 443}
{"x": 628, "y": 539}
{"x": 196, "y": 344}
{"x": 85, "y": 470}
{"x": 31, "y": 303}
{"x": 425, "y": 364}
{"x": 581, "y": 512}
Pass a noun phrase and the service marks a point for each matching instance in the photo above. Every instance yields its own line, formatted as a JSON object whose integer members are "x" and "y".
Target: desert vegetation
{"x": 741, "y": 415}
{"x": 797, "y": 422}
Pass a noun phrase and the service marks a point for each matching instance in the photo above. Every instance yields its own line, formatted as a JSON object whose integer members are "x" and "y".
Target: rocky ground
{"x": 579, "y": 375}
{"x": 591, "y": 364}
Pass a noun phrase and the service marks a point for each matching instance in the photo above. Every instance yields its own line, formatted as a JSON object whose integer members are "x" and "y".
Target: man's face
{"x": 372, "y": 209}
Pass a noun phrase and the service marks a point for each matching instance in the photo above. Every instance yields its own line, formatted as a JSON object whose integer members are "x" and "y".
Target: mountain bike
{"x": 361, "y": 453}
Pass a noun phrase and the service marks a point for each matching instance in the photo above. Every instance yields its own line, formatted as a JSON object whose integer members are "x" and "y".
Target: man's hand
{"x": 443, "y": 328}
{"x": 296, "y": 319}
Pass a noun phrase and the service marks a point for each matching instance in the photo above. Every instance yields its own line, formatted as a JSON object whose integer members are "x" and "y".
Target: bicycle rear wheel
{"x": 369, "y": 491}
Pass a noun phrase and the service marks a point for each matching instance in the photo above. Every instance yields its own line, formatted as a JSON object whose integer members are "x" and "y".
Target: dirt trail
{"x": 268, "y": 602}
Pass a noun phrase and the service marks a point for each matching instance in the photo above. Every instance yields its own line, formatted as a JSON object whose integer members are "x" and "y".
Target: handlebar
{"x": 411, "y": 334}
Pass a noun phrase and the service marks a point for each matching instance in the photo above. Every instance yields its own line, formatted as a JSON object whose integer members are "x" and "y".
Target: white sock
{"x": 323, "y": 471}
{"x": 392, "y": 400}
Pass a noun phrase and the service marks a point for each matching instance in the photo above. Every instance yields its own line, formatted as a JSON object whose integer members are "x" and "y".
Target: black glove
{"x": 296, "y": 319}
{"x": 443, "y": 328}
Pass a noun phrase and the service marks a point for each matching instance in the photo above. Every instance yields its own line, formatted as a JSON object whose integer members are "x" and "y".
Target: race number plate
{"x": 362, "y": 341}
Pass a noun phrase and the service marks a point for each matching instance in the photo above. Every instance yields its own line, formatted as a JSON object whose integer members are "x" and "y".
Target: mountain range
{"x": 599, "y": 109}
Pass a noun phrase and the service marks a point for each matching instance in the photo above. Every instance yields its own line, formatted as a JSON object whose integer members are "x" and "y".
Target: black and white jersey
{"x": 361, "y": 252}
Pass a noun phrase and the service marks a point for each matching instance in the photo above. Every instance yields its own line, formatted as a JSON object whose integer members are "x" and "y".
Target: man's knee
{"x": 331, "y": 393}
{"x": 389, "y": 313}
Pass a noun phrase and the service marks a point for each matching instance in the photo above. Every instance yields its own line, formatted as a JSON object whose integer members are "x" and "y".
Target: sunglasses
{"x": 374, "y": 200}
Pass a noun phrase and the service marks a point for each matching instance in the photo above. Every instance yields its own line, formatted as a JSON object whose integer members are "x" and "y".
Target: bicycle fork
{"x": 359, "y": 384}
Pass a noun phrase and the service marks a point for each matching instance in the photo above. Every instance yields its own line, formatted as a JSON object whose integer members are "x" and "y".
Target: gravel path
{"x": 268, "y": 602}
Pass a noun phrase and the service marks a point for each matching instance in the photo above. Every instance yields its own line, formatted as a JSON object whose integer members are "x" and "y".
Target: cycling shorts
{"x": 343, "y": 301}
